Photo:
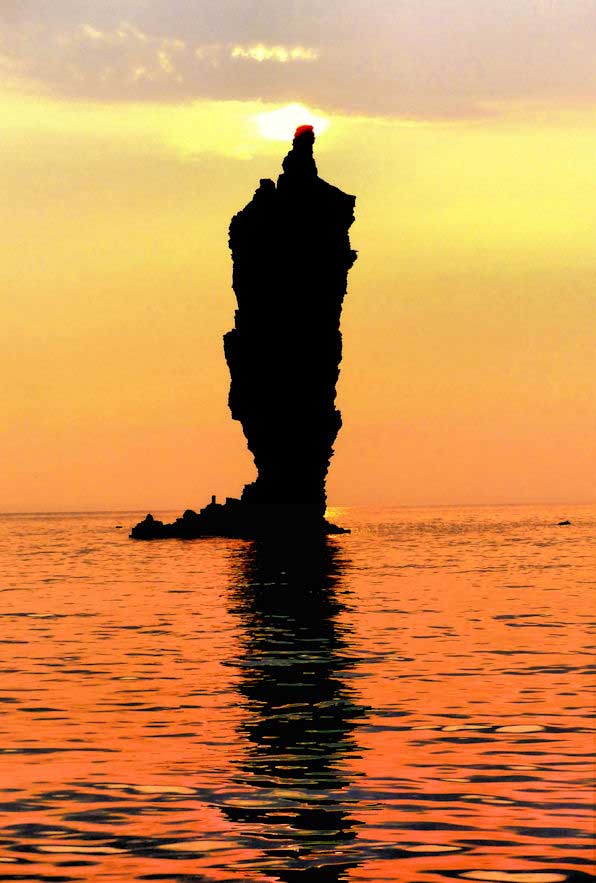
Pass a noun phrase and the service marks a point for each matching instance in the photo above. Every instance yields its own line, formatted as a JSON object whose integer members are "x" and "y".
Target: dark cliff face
{"x": 291, "y": 254}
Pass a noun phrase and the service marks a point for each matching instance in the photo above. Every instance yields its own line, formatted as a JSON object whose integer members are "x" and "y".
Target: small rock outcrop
{"x": 291, "y": 254}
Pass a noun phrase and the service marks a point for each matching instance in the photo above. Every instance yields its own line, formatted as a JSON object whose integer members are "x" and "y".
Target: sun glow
{"x": 280, "y": 125}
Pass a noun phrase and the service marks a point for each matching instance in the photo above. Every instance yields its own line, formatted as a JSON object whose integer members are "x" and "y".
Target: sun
{"x": 280, "y": 125}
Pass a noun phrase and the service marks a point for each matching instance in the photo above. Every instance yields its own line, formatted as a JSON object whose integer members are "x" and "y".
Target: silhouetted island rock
{"x": 291, "y": 254}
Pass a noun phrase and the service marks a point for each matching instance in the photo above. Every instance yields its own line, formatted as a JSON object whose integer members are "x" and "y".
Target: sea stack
{"x": 291, "y": 256}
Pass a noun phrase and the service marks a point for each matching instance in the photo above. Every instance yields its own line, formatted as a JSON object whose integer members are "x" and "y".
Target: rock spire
{"x": 291, "y": 256}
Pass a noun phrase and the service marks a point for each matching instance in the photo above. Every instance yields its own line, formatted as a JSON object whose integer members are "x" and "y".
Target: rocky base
{"x": 239, "y": 520}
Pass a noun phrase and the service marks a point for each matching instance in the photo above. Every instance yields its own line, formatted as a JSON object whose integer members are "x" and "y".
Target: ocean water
{"x": 408, "y": 702}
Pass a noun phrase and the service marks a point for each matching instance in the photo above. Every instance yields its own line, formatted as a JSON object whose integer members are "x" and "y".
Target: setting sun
{"x": 280, "y": 125}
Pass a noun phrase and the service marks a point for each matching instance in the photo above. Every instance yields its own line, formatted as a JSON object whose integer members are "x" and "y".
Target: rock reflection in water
{"x": 302, "y": 712}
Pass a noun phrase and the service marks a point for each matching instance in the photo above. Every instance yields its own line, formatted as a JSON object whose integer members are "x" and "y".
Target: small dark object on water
{"x": 561, "y": 523}
{"x": 119, "y": 527}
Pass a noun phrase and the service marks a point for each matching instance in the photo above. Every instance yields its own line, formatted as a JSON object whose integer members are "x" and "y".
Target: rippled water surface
{"x": 409, "y": 702}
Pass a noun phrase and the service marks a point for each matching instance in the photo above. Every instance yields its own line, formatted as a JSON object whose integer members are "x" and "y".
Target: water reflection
{"x": 298, "y": 738}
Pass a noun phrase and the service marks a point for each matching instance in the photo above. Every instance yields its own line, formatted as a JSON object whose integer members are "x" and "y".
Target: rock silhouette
{"x": 291, "y": 256}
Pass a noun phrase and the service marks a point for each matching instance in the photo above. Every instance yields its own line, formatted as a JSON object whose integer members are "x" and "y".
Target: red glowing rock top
{"x": 303, "y": 130}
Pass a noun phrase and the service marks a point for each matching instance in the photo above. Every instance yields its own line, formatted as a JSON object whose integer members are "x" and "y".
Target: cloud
{"x": 281, "y": 54}
{"x": 416, "y": 58}
{"x": 123, "y": 33}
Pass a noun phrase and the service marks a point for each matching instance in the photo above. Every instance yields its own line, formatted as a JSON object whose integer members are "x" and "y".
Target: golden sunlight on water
{"x": 409, "y": 702}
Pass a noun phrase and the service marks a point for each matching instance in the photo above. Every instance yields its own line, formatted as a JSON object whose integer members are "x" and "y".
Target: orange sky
{"x": 469, "y": 364}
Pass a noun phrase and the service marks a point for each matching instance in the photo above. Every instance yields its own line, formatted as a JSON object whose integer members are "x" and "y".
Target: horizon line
{"x": 333, "y": 506}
